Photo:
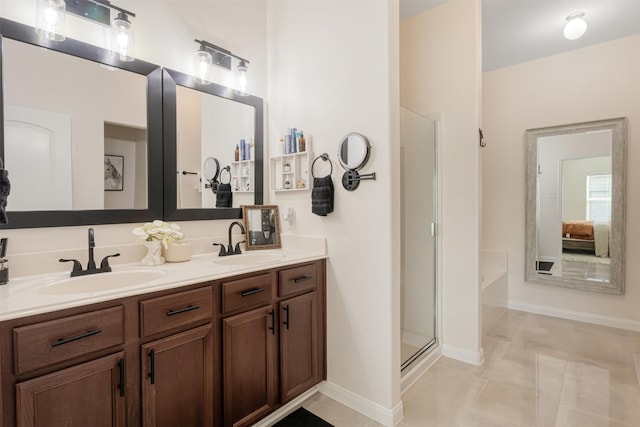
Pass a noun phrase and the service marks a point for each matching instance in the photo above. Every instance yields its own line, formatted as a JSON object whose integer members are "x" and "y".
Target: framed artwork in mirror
{"x": 113, "y": 172}
{"x": 262, "y": 226}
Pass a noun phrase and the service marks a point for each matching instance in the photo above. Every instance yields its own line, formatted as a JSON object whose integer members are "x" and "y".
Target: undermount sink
{"x": 102, "y": 281}
{"x": 253, "y": 258}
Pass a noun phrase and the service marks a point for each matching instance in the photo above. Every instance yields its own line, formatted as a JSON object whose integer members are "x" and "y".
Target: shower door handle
{"x": 433, "y": 229}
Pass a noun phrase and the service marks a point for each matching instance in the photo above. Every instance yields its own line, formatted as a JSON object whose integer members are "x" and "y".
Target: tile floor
{"x": 538, "y": 371}
{"x": 583, "y": 267}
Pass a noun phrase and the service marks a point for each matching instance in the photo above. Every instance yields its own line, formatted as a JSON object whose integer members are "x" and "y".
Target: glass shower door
{"x": 418, "y": 248}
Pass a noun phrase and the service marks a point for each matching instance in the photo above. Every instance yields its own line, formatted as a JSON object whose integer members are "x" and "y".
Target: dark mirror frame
{"x": 170, "y": 80}
{"x": 33, "y": 219}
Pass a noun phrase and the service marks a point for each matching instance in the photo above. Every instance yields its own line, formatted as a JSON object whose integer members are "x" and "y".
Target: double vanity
{"x": 209, "y": 342}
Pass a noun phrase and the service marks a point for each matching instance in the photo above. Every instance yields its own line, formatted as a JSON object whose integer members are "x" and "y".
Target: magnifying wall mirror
{"x": 76, "y": 153}
{"x": 354, "y": 151}
{"x": 353, "y": 154}
{"x": 575, "y": 206}
{"x": 210, "y": 172}
{"x": 205, "y": 121}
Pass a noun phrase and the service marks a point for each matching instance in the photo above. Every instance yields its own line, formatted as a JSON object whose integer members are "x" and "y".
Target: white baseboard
{"x": 463, "y": 355}
{"x": 285, "y": 410}
{"x": 630, "y": 325}
{"x": 420, "y": 368}
{"x": 384, "y": 416}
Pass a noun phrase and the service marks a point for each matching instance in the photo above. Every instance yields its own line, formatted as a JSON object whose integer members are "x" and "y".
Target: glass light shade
{"x": 204, "y": 61}
{"x": 51, "y": 19}
{"x": 576, "y": 26}
{"x": 243, "y": 72}
{"x": 123, "y": 38}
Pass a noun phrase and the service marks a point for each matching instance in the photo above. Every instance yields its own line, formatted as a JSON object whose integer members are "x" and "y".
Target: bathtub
{"x": 493, "y": 287}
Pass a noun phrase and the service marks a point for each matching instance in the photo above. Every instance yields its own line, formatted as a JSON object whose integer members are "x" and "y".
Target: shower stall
{"x": 419, "y": 187}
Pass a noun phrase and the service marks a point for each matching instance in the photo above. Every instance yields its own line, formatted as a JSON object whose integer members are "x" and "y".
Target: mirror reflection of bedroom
{"x": 574, "y": 179}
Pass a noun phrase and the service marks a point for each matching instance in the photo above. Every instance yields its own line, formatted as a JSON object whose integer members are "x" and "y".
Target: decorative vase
{"x": 154, "y": 253}
{"x": 177, "y": 252}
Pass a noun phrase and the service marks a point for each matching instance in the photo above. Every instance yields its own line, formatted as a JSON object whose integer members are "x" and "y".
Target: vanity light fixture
{"x": 99, "y": 11}
{"x": 209, "y": 54}
{"x": 50, "y": 19}
{"x": 575, "y": 27}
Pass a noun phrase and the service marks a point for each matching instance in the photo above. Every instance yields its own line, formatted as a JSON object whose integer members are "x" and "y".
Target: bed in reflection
{"x": 585, "y": 237}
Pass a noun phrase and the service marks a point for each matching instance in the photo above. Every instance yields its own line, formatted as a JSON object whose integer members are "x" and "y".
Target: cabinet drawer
{"x": 246, "y": 293}
{"x": 298, "y": 279}
{"x": 47, "y": 343}
{"x": 176, "y": 311}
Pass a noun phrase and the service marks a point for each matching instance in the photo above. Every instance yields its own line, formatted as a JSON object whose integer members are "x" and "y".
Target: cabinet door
{"x": 248, "y": 365}
{"x": 298, "y": 345}
{"x": 90, "y": 394}
{"x": 177, "y": 379}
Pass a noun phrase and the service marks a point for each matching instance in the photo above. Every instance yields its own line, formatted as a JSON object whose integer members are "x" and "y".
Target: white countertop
{"x": 31, "y": 295}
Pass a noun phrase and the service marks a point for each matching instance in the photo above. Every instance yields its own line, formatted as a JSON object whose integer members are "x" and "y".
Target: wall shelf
{"x": 290, "y": 172}
{"x": 243, "y": 171}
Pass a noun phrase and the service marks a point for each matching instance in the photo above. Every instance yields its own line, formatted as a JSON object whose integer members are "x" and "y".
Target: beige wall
{"x": 440, "y": 73}
{"x": 597, "y": 82}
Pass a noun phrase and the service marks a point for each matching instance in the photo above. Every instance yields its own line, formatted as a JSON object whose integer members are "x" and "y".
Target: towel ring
{"x": 325, "y": 157}
{"x": 228, "y": 169}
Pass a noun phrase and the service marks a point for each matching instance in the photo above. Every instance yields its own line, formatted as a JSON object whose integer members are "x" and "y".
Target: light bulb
{"x": 50, "y": 19}
{"x": 204, "y": 61}
{"x": 243, "y": 71}
{"x": 576, "y": 26}
{"x": 122, "y": 38}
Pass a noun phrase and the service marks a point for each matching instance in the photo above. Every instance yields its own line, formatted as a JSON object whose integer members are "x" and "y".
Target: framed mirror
{"x": 262, "y": 227}
{"x": 210, "y": 121}
{"x": 69, "y": 136}
{"x": 575, "y": 213}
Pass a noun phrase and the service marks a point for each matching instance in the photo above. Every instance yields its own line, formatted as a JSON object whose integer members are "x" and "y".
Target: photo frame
{"x": 113, "y": 172}
{"x": 262, "y": 226}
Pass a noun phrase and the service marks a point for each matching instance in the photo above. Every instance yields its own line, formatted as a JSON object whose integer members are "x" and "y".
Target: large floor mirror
{"x": 575, "y": 205}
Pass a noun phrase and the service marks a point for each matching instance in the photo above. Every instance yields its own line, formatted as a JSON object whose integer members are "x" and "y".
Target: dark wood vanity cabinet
{"x": 224, "y": 352}
{"x": 177, "y": 369}
{"x": 273, "y": 353}
{"x": 88, "y": 394}
{"x": 177, "y": 380}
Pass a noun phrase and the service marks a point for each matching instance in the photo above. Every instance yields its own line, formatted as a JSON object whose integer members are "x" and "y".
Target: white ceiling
{"x": 515, "y": 31}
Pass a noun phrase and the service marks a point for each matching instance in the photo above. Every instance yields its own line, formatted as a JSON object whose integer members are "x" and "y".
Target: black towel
{"x": 5, "y": 188}
{"x": 322, "y": 196}
{"x": 224, "y": 197}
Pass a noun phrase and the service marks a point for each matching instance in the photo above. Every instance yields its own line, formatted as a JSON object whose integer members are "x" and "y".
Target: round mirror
{"x": 354, "y": 151}
{"x": 211, "y": 169}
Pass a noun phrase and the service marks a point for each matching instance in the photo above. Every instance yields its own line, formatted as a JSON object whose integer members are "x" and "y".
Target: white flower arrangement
{"x": 159, "y": 230}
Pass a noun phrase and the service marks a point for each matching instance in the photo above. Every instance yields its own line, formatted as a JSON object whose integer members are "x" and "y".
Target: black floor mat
{"x": 302, "y": 418}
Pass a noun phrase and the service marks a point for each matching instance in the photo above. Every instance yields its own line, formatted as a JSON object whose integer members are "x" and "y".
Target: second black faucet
{"x": 230, "y": 250}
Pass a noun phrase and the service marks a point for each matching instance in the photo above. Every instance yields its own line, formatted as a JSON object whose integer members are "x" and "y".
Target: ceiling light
{"x": 576, "y": 26}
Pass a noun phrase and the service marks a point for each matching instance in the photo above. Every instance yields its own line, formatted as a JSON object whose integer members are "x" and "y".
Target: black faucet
{"x": 91, "y": 264}
{"x": 230, "y": 250}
